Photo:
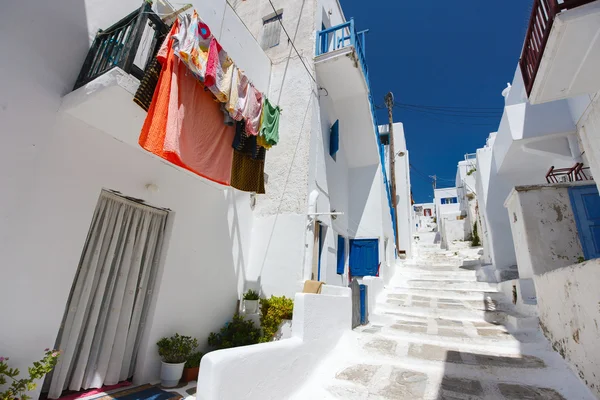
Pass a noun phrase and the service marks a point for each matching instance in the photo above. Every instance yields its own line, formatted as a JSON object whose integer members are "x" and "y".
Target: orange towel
{"x": 184, "y": 125}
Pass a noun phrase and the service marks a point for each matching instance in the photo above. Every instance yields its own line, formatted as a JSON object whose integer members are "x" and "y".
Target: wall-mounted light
{"x": 151, "y": 187}
{"x": 401, "y": 154}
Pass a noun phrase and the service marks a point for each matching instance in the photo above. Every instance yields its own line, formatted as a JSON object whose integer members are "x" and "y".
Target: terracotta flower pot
{"x": 190, "y": 374}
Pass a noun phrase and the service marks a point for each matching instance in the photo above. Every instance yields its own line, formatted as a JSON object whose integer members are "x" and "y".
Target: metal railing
{"x": 341, "y": 36}
{"x": 540, "y": 26}
{"x": 118, "y": 45}
{"x": 574, "y": 174}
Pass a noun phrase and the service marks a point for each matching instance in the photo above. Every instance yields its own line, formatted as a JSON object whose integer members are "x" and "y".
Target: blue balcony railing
{"x": 340, "y": 36}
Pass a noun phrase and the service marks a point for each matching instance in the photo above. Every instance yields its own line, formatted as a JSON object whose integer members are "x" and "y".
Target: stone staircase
{"x": 439, "y": 333}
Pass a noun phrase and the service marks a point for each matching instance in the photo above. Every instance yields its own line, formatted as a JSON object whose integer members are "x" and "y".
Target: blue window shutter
{"x": 334, "y": 138}
{"x": 364, "y": 257}
{"x": 341, "y": 255}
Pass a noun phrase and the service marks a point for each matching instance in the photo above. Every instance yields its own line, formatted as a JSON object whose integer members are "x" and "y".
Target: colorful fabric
{"x": 247, "y": 144}
{"x": 184, "y": 124}
{"x": 219, "y": 71}
{"x": 269, "y": 124}
{"x": 253, "y": 110}
{"x": 238, "y": 94}
{"x": 248, "y": 165}
{"x": 247, "y": 174}
{"x": 145, "y": 92}
{"x": 192, "y": 44}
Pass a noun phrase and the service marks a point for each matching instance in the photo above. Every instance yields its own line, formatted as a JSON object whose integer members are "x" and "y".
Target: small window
{"x": 450, "y": 200}
{"x": 384, "y": 138}
{"x": 427, "y": 212}
{"x": 334, "y": 139}
{"x": 271, "y": 30}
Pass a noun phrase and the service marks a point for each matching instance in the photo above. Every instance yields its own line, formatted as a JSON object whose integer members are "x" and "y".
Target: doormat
{"x": 143, "y": 392}
{"x": 91, "y": 392}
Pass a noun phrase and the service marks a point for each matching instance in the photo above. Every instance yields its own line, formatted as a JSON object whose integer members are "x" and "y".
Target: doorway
{"x": 585, "y": 202}
{"x": 318, "y": 245}
{"x": 110, "y": 297}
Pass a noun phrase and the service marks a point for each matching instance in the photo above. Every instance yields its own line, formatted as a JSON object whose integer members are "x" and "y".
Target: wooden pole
{"x": 389, "y": 102}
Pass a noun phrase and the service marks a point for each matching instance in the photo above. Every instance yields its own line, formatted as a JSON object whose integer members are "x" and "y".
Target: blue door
{"x": 341, "y": 254}
{"x": 364, "y": 257}
{"x": 586, "y": 207}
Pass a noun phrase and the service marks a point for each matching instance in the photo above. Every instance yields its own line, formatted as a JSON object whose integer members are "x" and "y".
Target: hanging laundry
{"x": 269, "y": 125}
{"x": 145, "y": 92}
{"x": 252, "y": 110}
{"x": 219, "y": 71}
{"x": 184, "y": 124}
{"x": 238, "y": 95}
{"x": 193, "y": 44}
{"x": 248, "y": 164}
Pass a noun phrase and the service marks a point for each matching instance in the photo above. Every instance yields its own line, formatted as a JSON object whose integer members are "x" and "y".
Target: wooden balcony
{"x": 540, "y": 33}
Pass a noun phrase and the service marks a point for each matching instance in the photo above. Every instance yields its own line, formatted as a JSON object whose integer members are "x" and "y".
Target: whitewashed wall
{"x": 60, "y": 166}
{"x": 543, "y": 228}
{"x": 568, "y": 299}
{"x": 275, "y": 370}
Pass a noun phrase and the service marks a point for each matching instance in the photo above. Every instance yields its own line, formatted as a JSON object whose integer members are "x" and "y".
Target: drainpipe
{"x": 309, "y": 236}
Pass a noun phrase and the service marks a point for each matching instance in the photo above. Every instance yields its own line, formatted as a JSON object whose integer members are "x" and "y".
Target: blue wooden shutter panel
{"x": 364, "y": 257}
{"x": 334, "y": 138}
{"x": 341, "y": 255}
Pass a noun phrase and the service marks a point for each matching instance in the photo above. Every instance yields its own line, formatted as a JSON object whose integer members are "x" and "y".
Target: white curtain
{"x": 107, "y": 308}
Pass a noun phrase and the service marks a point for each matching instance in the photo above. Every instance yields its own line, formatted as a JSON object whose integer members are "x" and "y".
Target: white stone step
{"x": 449, "y": 294}
{"x": 450, "y": 285}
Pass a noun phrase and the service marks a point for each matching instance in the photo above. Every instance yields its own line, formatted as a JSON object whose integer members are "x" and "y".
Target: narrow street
{"x": 439, "y": 333}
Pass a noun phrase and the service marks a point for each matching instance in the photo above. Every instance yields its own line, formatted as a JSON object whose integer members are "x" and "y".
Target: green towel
{"x": 269, "y": 124}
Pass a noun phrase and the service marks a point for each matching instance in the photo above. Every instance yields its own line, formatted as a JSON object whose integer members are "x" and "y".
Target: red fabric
{"x": 91, "y": 392}
{"x": 213, "y": 63}
{"x": 184, "y": 125}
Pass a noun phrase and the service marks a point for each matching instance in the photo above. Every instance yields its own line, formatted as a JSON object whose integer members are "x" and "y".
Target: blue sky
{"x": 441, "y": 53}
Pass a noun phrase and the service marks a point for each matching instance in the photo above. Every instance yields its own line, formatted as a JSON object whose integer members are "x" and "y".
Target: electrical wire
{"x": 292, "y": 43}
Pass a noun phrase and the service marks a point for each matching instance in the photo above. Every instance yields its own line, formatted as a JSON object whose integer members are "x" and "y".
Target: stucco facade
{"x": 220, "y": 241}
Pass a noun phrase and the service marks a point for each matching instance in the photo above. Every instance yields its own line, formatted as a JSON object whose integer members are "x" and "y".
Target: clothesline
{"x": 205, "y": 115}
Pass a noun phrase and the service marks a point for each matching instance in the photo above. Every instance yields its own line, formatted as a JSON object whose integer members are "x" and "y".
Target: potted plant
{"x": 174, "y": 352}
{"x": 235, "y": 333}
{"x": 276, "y": 316}
{"x": 251, "y": 302}
{"x": 192, "y": 367}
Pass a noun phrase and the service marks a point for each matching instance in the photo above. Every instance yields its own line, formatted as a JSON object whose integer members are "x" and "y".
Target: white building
{"x": 424, "y": 217}
{"x": 403, "y": 193}
{"x": 539, "y": 167}
{"x": 451, "y": 225}
{"x": 65, "y": 146}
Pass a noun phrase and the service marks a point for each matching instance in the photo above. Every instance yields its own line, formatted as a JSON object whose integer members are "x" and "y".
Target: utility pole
{"x": 389, "y": 102}
{"x": 434, "y": 182}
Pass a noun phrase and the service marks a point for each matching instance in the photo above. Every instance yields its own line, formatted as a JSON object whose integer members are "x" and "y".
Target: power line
{"x": 451, "y": 113}
{"x": 498, "y": 109}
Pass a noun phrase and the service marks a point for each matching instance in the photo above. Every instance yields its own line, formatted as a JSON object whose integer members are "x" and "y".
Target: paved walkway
{"x": 438, "y": 333}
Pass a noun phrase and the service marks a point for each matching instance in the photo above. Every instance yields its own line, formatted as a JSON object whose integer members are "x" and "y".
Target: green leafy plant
{"x": 176, "y": 349}
{"x": 194, "y": 359}
{"x": 580, "y": 259}
{"x": 273, "y": 311}
{"x": 475, "y": 241}
{"x": 19, "y": 387}
{"x": 235, "y": 333}
{"x": 251, "y": 295}
{"x": 471, "y": 171}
